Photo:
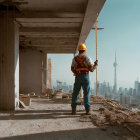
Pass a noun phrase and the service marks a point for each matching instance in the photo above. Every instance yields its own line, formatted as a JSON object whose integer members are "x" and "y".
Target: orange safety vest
{"x": 81, "y": 67}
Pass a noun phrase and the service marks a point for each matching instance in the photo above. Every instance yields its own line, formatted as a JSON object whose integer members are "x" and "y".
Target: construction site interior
{"x": 29, "y": 108}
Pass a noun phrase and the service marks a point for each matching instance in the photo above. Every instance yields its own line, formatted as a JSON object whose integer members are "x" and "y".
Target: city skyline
{"x": 136, "y": 85}
{"x": 128, "y": 97}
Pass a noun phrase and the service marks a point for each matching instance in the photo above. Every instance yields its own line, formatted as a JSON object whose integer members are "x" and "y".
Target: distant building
{"x": 138, "y": 93}
{"x": 130, "y": 92}
{"x": 120, "y": 90}
{"x": 134, "y": 92}
{"x": 136, "y": 86}
{"x": 122, "y": 99}
{"x": 125, "y": 91}
{"x": 128, "y": 100}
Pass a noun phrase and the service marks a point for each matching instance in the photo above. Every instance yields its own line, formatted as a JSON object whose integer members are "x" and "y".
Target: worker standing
{"x": 81, "y": 65}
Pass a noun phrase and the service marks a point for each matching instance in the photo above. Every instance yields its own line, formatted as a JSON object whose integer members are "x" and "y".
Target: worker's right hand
{"x": 96, "y": 63}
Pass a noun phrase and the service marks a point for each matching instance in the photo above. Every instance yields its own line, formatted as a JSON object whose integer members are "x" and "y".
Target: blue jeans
{"x": 81, "y": 80}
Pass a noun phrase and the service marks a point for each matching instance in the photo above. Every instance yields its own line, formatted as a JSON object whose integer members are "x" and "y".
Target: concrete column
{"x": 30, "y": 71}
{"x": 44, "y": 71}
{"x": 9, "y": 64}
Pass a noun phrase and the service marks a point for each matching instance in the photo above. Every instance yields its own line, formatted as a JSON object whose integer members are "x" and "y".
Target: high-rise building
{"x": 136, "y": 85}
{"x": 115, "y": 75}
{"x": 138, "y": 94}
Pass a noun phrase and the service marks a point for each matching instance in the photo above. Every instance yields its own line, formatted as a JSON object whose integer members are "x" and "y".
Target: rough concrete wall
{"x": 30, "y": 71}
{"x": 9, "y": 64}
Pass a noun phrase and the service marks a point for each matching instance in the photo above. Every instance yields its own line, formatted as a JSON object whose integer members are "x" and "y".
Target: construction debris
{"x": 58, "y": 94}
{"x": 113, "y": 113}
{"x": 48, "y": 92}
{"x": 32, "y": 94}
{"x": 21, "y": 104}
{"x": 25, "y": 99}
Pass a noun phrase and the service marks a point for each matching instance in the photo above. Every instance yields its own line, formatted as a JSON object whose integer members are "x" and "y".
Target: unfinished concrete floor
{"x": 47, "y": 120}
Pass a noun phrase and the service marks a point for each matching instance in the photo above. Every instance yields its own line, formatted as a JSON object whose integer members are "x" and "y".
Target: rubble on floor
{"x": 107, "y": 112}
{"x": 21, "y": 104}
{"x": 56, "y": 96}
{"x": 25, "y": 99}
{"x": 113, "y": 113}
{"x": 61, "y": 95}
{"x": 48, "y": 92}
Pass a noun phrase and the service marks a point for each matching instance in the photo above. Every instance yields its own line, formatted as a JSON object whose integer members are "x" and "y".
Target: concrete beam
{"x": 50, "y": 32}
{"x": 53, "y": 50}
{"x": 59, "y": 51}
{"x": 93, "y": 7}
{"x": 42, "y": 24}
{"x": 38, "y": 41}
{"x": 46, "y": 14}
{"x": 50, "y": 20}
{"x": 57, "y": 48}
{"x": 52, "y": 46}
{"x": 60, "y": 35}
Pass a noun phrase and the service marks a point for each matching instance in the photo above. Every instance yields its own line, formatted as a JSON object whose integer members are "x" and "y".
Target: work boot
{"x": 88, "y": 112}
{"x": 73, "y": 111}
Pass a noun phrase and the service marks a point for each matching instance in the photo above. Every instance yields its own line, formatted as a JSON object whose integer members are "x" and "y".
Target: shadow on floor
{"x": 44, "y": 101}
{"x": 80, "y": 134}
{"x": 38, "y": 114}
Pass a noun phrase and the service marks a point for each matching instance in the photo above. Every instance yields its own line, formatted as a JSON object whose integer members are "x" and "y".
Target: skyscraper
{"x": 115, "y": 75}
{"x": 136, "y": 84}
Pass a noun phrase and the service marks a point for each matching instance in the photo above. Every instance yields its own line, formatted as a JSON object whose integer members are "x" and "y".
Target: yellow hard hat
{"x": 82, "y": 47}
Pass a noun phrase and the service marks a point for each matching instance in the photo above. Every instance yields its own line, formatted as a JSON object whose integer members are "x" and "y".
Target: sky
{"x": 121, "y": 22}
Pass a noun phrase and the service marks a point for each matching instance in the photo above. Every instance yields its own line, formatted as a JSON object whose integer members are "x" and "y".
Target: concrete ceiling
{"x": 56, "y": 26}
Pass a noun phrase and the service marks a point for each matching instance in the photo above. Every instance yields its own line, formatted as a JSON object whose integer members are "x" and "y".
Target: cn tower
{"x": 115, "y": 75}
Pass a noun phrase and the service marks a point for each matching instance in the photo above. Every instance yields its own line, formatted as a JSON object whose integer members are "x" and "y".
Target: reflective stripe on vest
{"x": 81, "y": 66}
{"x": 82, "y": 69}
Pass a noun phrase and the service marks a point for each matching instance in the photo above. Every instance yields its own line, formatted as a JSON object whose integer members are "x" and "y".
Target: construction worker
{"x": 81, "y": 65}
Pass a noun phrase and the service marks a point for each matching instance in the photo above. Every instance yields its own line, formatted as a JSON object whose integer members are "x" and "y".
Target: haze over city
{"x": 121, "y": 36}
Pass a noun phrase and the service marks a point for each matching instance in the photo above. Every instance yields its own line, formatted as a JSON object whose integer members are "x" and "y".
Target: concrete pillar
{"x": 30, "y": 71}
{"x": 9, "y": 64}
{"x": 44, "y": 71}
